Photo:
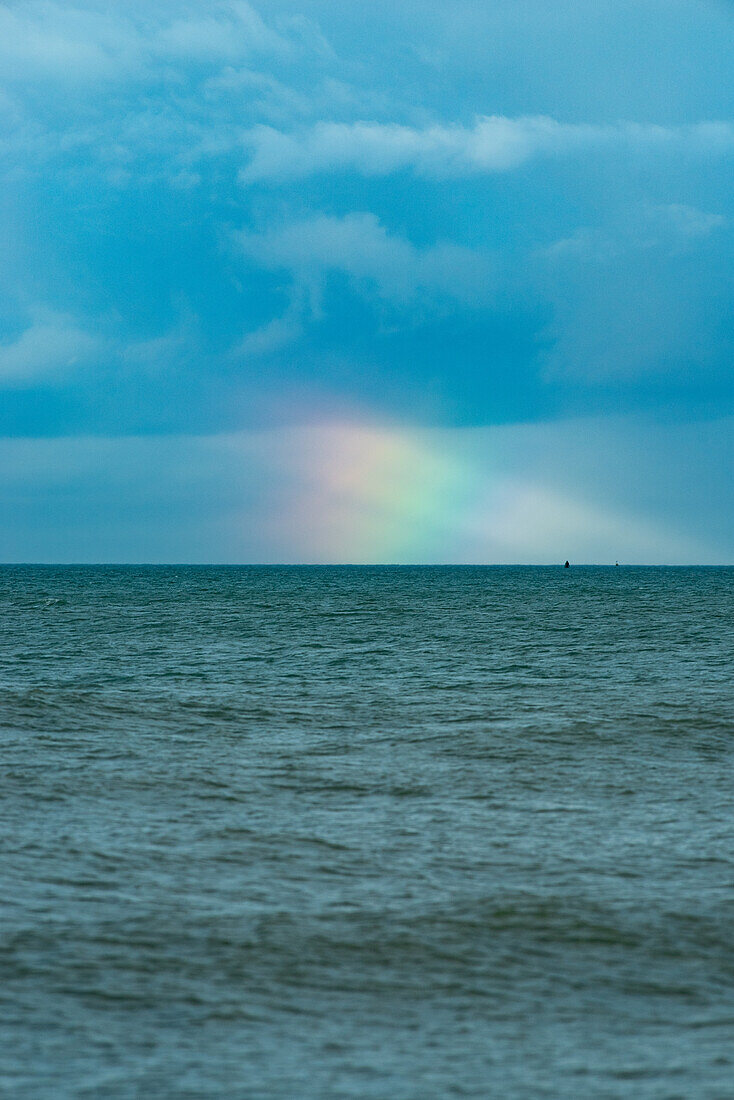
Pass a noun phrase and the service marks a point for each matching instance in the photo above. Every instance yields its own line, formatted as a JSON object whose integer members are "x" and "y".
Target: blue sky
{"x": 301, "y": 281}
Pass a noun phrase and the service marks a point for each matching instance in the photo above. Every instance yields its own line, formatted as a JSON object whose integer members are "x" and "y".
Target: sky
{"x": 306, "y": 281}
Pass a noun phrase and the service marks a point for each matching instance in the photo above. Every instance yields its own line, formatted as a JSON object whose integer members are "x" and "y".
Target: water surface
{"x": 314, "y": 833}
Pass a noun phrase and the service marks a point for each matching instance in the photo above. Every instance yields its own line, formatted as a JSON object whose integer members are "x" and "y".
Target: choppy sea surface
{"x": 313, "y": 833}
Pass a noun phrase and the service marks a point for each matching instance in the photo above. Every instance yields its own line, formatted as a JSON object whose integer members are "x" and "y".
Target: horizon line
{"x": 358, "y": 565}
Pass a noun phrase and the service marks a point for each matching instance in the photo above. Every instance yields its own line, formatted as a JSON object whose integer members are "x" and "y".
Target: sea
{"x": 318, "y": 833}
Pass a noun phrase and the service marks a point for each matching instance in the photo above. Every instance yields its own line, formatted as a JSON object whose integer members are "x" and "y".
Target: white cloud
{"x": 269, "y": 338}
{"x": 67, "y": 43}
{"x": 688, "y": 220}
{"x": 493, "y": 144}
{"x": 158, "y": 352}
{"x": 359, "y": 246}
{"x": 174, "y": 85}
{"x": 52, "y": 347}
{"x": 647, "y": 226}
{"x": 61, "y": 42}
{"x": 228, "y": 32}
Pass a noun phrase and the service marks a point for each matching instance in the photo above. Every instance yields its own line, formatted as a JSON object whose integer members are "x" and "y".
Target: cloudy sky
{"x": 313, "y": 281}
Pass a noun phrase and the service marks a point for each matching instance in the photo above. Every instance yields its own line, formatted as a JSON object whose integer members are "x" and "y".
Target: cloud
{"x": 48, "y": 351}
{"x": 688, "y": 220}
{"x": 174, "y": 85}
{"x": 269, "y": 338}
{"x": 48, "y": 40}
{"x": 360, "y": 247}
{"x": 122, "y": 133}
{"x": 638, "y": 298}
{"x": 494, "y": 144}
{"x": 233, "y": 30}
{"x": 665, "y": 226}
{"x": 78, "y": 43}
{"x": 56, "y": 346}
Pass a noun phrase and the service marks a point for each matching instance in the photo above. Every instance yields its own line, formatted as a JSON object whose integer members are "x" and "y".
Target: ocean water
{"x": 300, "y": 833}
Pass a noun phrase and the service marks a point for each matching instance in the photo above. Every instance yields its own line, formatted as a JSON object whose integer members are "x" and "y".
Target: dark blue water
{"x": 396, "y": 833}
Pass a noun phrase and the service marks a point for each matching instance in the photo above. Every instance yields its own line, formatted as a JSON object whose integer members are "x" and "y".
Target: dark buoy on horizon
{"x": 566, "y": 566}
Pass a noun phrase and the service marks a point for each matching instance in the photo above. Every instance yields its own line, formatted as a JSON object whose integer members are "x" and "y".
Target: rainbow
{"x": 367, "y": 493}
{"x": 351, "y": 491}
